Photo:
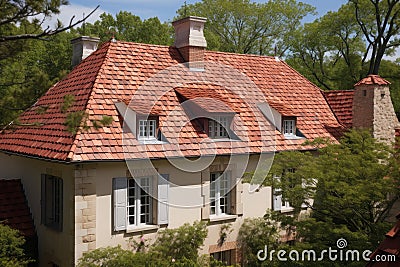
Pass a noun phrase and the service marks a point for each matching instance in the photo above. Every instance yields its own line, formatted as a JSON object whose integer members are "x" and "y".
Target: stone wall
{"x": 85, "y": 212}
{"x": 373, "y": 110}
{"x": 385, "y": 120}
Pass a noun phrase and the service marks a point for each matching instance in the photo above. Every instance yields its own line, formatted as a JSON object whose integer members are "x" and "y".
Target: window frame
{"x": 149, "y": 123}
{"x": 52, "y": 202}
{"x": 137, "y": 202}
{"x": 228, "y": 256}
{"x": 289, "y": 130}
{"x": 219, "y": 127}
{"x": 218, "y": 196}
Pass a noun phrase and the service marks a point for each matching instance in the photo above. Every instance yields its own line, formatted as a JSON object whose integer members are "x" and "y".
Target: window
{"x": 135, "y": 207}
{"x": 147, "y": 129}
{"x": 289, "y": 127}
{"x": 217, "y": 127}
{"x": 281, "y": 204}
{"x": 51, "y": 202}
{"x": 139, "y": 208}
{"x": 139, "y": 201}
{"x": 227, "y": 256}
{"x": 219, "y": 193}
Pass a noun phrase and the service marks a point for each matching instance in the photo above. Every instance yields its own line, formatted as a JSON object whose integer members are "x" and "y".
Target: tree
{"x": 27, "y": 74}
{"x": 31, "y": 58}
{"x": 255, "y": 234}
{"x": 242, "y": 26}
{"x": 379, "y": 21}
{"x": 342, "y": 47}
{"x": 329, "y": 50}
{"x": 349, "y": 187}
{"x": 128, "y": 27}
{"x": 14, "y": 12}
{"x": 11, "y": 247}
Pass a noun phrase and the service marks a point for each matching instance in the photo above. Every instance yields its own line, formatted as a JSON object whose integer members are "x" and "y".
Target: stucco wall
{"x": 184, "y": 188}
{"x": 54, "y": 247}
{"x": 87, "y": 200}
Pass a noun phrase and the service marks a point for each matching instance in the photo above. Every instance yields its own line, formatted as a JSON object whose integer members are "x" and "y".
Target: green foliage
{"x": 27, "y": 74}
{"x": 181, "y": 243}
{"x": 380, "y": 25}
{"x": 329, "y": 51}
{"x": 342, "y": 47}
{"x": 11, "y": 247}
{"x": 173, "y": 247}
{"x": 76, "y": 120}
{"x": 346, "y": 185}
{"x": 128, "y": 27}
{"x": 248, "y": 27}
{"x": 255, "y": 234}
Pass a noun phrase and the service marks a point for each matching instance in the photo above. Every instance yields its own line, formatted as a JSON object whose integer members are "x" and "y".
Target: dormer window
{"x": 289, "y": 127}
{"x": 147, "y": 129}
{"x": 218, "y": 127}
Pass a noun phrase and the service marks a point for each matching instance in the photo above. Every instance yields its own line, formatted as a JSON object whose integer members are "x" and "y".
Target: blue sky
{"x": 165, "y": 10}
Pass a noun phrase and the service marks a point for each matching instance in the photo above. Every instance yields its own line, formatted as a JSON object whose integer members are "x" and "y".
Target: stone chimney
{"x": 373, "y": 108}
{"x": 82, "y": 47}
{"x": 190, "y": 41}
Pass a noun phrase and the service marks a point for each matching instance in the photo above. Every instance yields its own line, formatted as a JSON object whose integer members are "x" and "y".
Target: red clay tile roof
{"x": 341, "y": 102}
{"x": 389, "y": 246}
{"x": 283, "y": 108}
{"x": 209, "y": 97}
{"x": 14, "y": 210}
{"x": 150, "y": 73}
{"x": 373, "y": 79}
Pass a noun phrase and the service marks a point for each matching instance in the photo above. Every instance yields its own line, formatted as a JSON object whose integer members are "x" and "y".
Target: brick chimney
{"x": 373, "y": 108}
{"x": 190, "y": 41}
{"x": 82, "y": 47}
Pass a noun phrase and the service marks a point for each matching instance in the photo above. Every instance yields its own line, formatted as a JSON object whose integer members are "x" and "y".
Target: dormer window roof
{"x": 141, "y": 121}
{"x": 206, "y": 105}
{"x": 282, "y": 117}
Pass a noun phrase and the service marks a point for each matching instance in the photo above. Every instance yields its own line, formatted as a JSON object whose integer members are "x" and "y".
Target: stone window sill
{"x": 141, "y": 228}
{"x": 225, "y": 217}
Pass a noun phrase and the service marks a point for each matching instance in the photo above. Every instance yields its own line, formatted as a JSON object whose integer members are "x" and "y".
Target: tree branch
{"x": 47, "y": 31}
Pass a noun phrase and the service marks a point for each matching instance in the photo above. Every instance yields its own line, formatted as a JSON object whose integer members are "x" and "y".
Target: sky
{"x": 165, "y": 10}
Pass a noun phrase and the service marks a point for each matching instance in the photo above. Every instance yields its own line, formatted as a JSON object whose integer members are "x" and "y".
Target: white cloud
{"x": 69, "y": 11}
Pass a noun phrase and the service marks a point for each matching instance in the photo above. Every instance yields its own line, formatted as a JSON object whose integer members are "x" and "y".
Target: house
{"x": 186, "y": 124}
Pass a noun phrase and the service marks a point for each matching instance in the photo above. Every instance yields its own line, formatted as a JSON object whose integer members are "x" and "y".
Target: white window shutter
{"x": 120, "y": 189}
{"x": 236, "y": 193}
{"x": 162, "y": 197}
{"x": 277, "y": 197}
{"x": 277, "y": 202}
{"x": 205, "y": 194}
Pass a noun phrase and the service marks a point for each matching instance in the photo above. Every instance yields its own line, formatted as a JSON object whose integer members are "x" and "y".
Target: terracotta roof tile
{"x": 373, "y": 79}
{"x": 14, "y": 209}
{"x": 341, "y": 102}
{"x": 389, "y": 246}
{"x": 131, "y": 72}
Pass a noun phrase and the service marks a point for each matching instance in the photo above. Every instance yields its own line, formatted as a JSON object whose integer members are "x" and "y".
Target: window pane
{"x": 289, "y": 127}
{"x": 218, "y": 128}
{"x": 145, "y": 201}
{"x": 219, "y": 197}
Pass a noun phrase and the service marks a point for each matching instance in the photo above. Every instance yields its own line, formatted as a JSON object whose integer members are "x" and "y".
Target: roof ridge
{"x": 105, "y": 46}
{"x": 338, "y": 91}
